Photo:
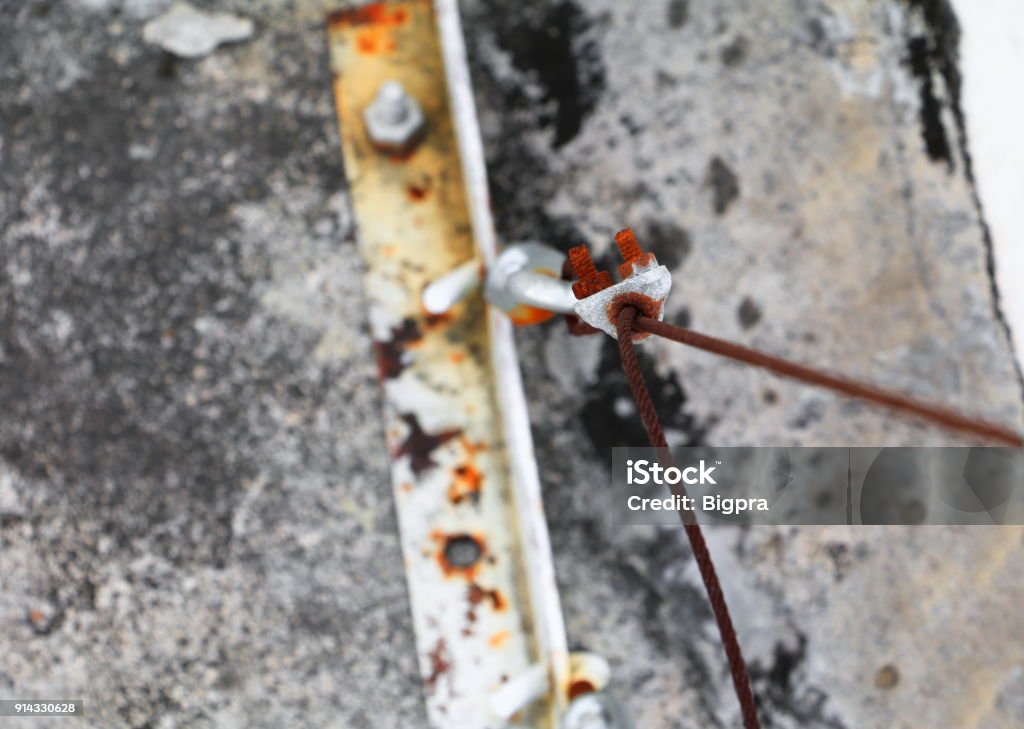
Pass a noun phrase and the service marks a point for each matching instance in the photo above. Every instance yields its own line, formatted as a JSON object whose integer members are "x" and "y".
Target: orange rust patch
{"x": 440, "y": 662}
{"x": 366, "y": 43}
{"x": 457, "y": 357}
{"x": 417, "y": 193}
{"x": 525, "y": 315}
{"x": 466, "y": 484}
{"x": 435, "y": 321}
{"x": 477, "y": 595}
{"x": 35, "y": 616}
{"x": 498, "y": 639}
{"x": 372, "y": 14}
{"x": 375, "y": 40}
{"x": 470, "y": 447}
{"x": 579, "y": 687}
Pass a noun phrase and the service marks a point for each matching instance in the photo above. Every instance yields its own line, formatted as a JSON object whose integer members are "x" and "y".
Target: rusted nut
{"x": 632, "y": 254}
{"x": 394, "y": 120}
{"x": 576, "y": 327}
{"x": 590, "y": 280}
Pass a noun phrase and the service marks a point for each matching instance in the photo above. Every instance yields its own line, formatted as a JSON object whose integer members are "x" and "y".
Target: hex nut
{"x": 394, "y": 120}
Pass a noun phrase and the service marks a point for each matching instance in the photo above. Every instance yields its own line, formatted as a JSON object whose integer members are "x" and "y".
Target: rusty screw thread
{"x": 630, "y": 250}
{"x": 628, "y": 245}
{"x": 590, "y": 279}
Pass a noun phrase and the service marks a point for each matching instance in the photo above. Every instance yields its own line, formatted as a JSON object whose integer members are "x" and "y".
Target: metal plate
{"x": 463, "y": 472}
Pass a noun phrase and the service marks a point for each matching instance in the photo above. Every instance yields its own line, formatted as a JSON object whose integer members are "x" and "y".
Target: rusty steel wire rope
{"x": 945, "y": 417}
{"x": 626, "y": 326}
{"x": 630, "y": 322}
{"x": 628, "y": 312}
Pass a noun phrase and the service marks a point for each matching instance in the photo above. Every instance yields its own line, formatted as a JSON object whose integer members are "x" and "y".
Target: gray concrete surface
{"x": 195, "y": 523}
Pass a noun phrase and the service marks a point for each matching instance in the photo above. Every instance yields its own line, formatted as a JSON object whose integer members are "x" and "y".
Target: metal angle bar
{"x": 485, "y": 606}
{"x": 540, "y": 572}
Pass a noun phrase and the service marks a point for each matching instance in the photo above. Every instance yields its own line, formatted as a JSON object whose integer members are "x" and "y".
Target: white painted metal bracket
{"x": 490, "y": 636}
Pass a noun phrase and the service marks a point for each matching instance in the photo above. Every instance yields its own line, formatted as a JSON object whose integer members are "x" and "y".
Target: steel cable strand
{"x": 937, "y": 414}
{"x": 625, "y": 326}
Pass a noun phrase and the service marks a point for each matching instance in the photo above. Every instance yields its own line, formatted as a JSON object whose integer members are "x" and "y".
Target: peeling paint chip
{"x": 191, "y": 33}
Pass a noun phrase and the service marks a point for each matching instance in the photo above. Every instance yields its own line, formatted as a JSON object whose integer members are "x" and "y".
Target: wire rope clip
{"x": 645, "y": 285}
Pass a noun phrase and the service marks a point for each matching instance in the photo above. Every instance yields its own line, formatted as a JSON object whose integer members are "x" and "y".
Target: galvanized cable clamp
{"x": 523, "y": 282}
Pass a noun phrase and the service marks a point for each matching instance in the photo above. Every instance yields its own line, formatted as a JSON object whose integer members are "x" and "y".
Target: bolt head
{"x": 394, "y": 120}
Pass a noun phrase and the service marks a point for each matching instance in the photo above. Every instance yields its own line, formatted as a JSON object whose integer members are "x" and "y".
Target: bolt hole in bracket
{"x": 490, "y": 638}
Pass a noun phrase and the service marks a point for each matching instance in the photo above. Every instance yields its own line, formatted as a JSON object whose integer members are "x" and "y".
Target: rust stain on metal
{"x": 419, "y": 445}
{"x": 417, "y": 193}
{"x": 478, "y": 595}
{"x": 433, "y": 322}
{"x": 467, "y": 482}
{"x": 451, "y": 542}
{"x": 580, "y": 686}
{"x": 525, "y": 315}
{"x": 381, "y": 14}
{"x": 498, "y": 639}
{"x": 440, "y": 662}
{"x": 390, "y": 353}
{"x": 375, "y": 23}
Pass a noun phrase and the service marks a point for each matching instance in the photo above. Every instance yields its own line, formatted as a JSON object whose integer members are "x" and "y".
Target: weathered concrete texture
{"x": 801, "y": 168}
{"x": 195, "y": 519}
{"x": 196, "y": 524}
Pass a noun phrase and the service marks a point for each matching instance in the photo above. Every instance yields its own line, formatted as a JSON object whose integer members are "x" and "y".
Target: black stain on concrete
{"x": 670, "y": 243}
{"x": 734, "y": 52}
{"x": 933, "y": 58}
{"x": 682, "y": 318}
{"x": 128, "y": 384}
{"x": 724, "y": 184}
{"x": 607, "y": 427}
{"x": 920, "y": 60}
{"x": 748, "y": 313}
{"x": 548, "y": 44}
{"x": 677, "y": 13}
{"x": 572, "y": 78}
{"x": 782, "y": 694}
{"x": 937, "y": 51}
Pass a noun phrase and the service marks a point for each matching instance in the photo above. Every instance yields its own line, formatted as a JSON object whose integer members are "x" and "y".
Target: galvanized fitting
{"x": 394, "y": 120}
{"x": 524, "y": 282}
{"x": 596, "y": 710}
{"x": 646, "y": 286}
